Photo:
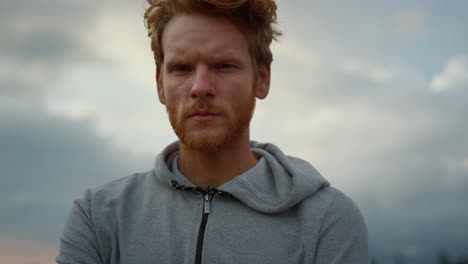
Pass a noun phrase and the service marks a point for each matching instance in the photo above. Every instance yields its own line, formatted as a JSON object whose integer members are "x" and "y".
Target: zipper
{"x": 207, "y": 196}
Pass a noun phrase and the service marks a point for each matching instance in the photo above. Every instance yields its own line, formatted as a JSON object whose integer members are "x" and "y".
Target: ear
{"x": 263, "y": 81}
{"x": 159, "y": 84}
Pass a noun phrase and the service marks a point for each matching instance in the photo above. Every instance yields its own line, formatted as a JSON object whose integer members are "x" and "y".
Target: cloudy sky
{"x": 373, "y": 93}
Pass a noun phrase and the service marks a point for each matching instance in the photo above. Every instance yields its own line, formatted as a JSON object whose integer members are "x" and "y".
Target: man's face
{"x": 207, "y": 81}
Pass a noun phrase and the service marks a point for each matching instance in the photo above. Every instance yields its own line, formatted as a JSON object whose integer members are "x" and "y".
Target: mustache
{"x": 200, "y": 105}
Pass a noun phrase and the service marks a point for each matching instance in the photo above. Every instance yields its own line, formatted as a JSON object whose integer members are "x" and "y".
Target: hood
{"x": 276, "y": 183}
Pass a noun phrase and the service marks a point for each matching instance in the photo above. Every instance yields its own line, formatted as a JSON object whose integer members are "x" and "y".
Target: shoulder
{"x": 332, "y": 209}
{"x": 341, "y": 230}
{"x": 343, "y": 234}
{"x": 343, "y": 208}
{"x": 337, "y": 206}
{"x": 340, "y": 204}
{"x": 343, "y": 220}
{"x": 117, "y": 191}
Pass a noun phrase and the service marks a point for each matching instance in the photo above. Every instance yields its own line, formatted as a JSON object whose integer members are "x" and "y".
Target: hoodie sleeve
{"x": 78, "y": 243}
{"x": 343, "y": 235}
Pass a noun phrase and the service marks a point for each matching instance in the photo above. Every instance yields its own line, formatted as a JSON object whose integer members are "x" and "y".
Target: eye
{"x": 225, "y": 66}
{"x": 181, "y": 68}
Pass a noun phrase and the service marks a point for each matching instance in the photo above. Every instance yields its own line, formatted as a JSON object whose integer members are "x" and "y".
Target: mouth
{"x": 203, "y": 115}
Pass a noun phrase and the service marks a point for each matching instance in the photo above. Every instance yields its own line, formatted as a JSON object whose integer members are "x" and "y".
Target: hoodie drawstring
{"x": 209, "y": 190}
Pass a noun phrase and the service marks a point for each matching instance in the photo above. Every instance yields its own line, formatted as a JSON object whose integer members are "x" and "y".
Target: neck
{"x": 214, "y": 169}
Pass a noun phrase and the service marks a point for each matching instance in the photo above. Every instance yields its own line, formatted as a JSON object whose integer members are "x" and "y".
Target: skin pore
{"x": 209, "y": 86}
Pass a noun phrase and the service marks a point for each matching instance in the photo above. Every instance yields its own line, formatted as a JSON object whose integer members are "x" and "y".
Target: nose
{"x": 202, "y": 85}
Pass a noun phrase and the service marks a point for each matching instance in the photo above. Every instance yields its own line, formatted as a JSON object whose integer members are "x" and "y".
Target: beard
{"x": 209, "y": 137}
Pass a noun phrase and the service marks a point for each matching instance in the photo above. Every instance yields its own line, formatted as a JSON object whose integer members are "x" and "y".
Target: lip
{"x": 203, "y": 115}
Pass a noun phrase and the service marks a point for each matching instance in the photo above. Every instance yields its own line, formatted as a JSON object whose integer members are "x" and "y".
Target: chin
{"x": 207, "y": 142}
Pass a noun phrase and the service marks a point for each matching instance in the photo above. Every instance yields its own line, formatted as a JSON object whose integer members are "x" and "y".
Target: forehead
{"x": 193, "y": 34}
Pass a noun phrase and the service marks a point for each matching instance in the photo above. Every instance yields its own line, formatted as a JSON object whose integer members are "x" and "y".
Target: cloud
{"x": 47, "y": 162}
{"x": 373, "y": 73}
{"x": 45, "y": 30}
{"x": 42, "y": 38}
{"x": 38, "y": 39}
{"x": 67, "y": 57}
{"x": 453, "y": 76}
{"x": 410, "y": 20}
{"x": 125, "y": 112}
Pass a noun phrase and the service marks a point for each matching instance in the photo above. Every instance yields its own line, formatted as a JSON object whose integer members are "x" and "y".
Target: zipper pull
{"x": 207, "y": 203}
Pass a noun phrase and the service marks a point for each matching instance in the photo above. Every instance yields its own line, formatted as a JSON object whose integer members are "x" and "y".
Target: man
{"x": 214, "y": 196}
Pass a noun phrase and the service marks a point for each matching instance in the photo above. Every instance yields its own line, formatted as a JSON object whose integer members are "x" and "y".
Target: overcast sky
{"x": 373, "y": 93}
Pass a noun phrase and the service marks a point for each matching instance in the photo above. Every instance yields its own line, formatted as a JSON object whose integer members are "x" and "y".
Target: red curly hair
{"x": 255, "y": 18}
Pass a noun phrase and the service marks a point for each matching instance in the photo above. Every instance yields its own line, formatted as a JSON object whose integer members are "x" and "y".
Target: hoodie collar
{"x": 276, "y": 183}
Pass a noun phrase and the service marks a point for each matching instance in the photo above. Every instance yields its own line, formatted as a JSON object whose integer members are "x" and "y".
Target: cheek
{"x": 176, "y": 104}
{"x": 242, "y": 92}
{"x": 175, "y": 94}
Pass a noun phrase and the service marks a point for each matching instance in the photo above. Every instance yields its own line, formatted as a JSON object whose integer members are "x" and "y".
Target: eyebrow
{"x": 178, "y": 60}
{"x": 172, "y": 62}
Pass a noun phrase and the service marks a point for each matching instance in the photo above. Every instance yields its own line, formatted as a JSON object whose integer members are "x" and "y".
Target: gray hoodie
{"x": 279, "y": 211}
